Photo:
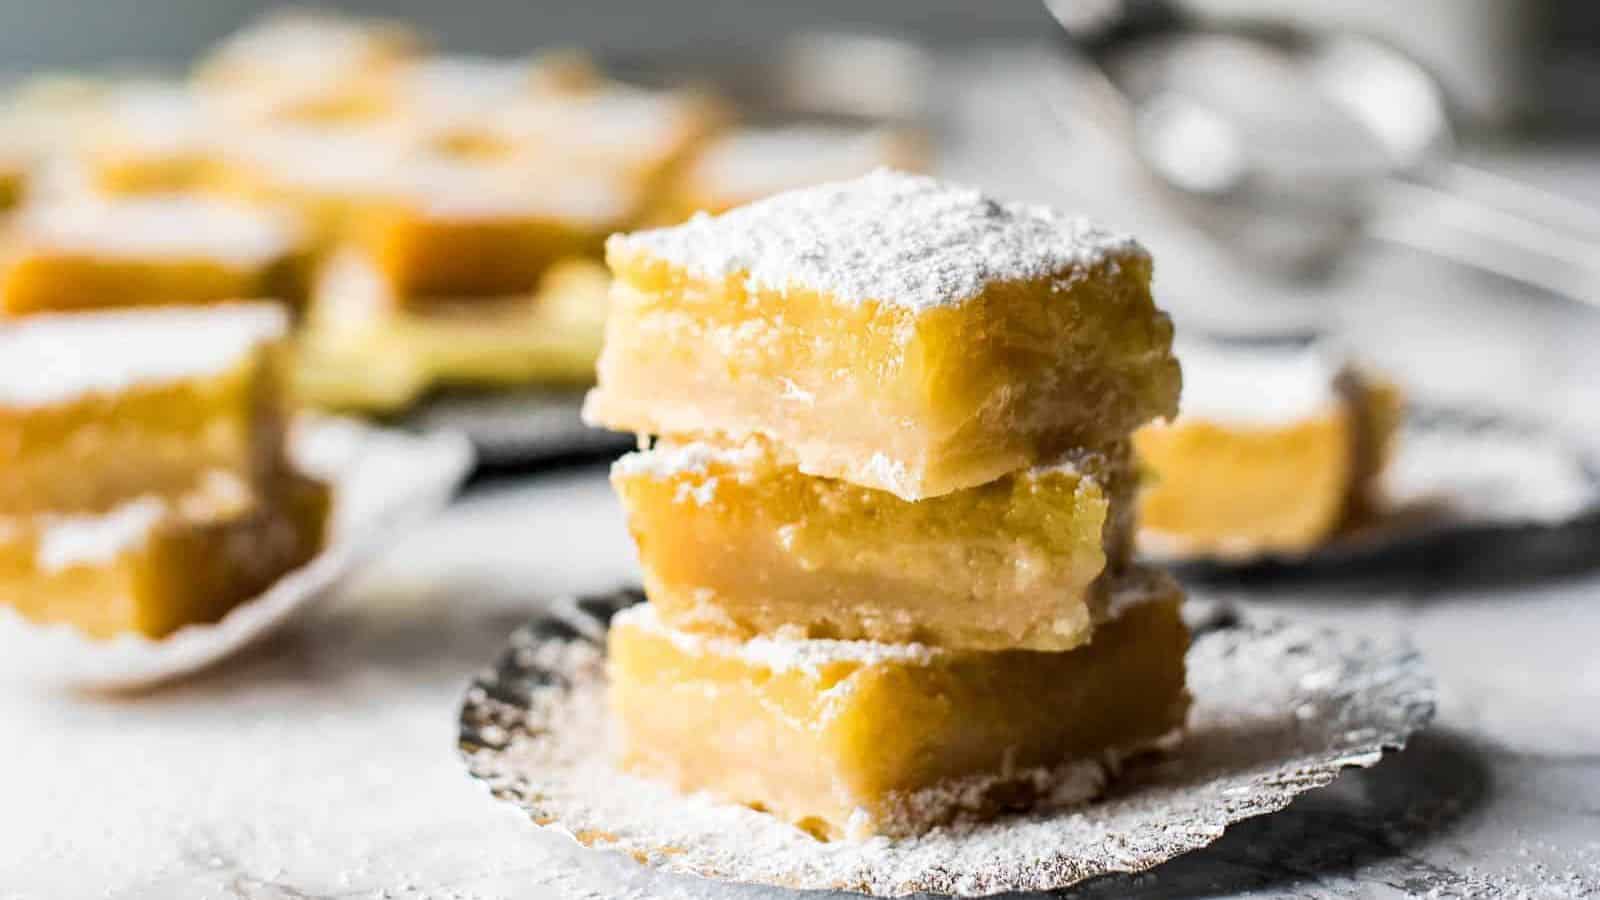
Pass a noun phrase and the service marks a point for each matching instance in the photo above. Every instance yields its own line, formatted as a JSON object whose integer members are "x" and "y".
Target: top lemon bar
{"x": 894, "y": 331}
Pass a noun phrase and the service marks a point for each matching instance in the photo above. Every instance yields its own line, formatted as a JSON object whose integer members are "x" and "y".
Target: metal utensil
{"x": 1290, "y": 144}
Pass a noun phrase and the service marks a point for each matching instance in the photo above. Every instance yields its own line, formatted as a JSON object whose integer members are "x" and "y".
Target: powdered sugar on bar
{"x": 888, "y": 237}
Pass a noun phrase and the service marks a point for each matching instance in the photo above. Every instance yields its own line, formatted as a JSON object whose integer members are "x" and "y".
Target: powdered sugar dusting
{"x": 889, "y": 237}
{"x": 679, "y": 459}
{"x": 780, "y": 654}
{"x": 51, "y": 359}
{"x": 1279, "y": 709}
{"x": 171, "y": 227}
{"x": 70, "y": 541}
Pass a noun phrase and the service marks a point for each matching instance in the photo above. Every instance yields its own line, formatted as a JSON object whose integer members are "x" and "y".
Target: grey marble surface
{"x": 322, "y": 764}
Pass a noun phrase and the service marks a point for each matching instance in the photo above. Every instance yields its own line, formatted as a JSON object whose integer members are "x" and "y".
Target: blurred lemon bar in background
{"x": 97, "y": 409}
{"x": 324, "y": 173}
{"x": 451, "y": 97}
{"x": 1275, "y": 449}
{"x": 855, "y": 738}
{"x": 362, "y": 350}
{"x": 108, "y": 135}
{"x": 446, "y": 231}
{"x": 736, "y": 543}
{"x": 306, "y": 65}
{"x": 167, "y": 250}
{"x": 893, "y": 331}
{"x": 152, "y": 138}
{"x": 747, "y": 164}
{"x": 640, "y": 135}
{"x": 153, "y": 564}
{"x": 48, "y": 116}
{"x": 147, "y": 484}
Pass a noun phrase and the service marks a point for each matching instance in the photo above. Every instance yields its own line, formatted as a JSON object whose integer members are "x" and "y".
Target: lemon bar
{"x": 152, "y": 138}
{"x": 305, "y": 65}
{"x": 99, "y": 408}
{"x": 361, "y": 350}
{"x": 733, "y": 542}
{"x": 325, "y": 173}
{"x": 147, "y": 252}
{"x": 637, "y": 134}
{"x": 1275, "y": 449}
{"x": 151, "y": 566}
{"x": 452, "y": 95}
{"x": 892, "y": 331}
{"x": 749, "y": 164}
{"x": 454, "y": 229}
{"x": 854, "y": 738}
{"x": 301, "y": 43}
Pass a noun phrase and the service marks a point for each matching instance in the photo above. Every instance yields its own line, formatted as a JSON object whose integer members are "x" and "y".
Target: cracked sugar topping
{"x": 897, "y": 239}
{"x": 52, "y": 359}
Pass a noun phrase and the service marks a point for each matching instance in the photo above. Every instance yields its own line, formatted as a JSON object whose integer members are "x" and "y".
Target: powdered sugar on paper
{"x": 1279, "y": 709}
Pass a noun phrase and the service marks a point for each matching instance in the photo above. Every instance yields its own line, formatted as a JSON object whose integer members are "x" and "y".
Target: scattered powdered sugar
{"x": 53, "y": 358}
{"x": 172, "y": 227}
{"x": 1279, "y": 709}
{"x": 696, "y": 458}
{"x": 1051, "y": 787}
{"x": 701, "y": 494}
{"x": 888, "y": 237}
{"x": 780, "y": 654}
{"x": 891, "y": 474}
{"x": 68, "y": 541}
{"x": 1256, "y": 385}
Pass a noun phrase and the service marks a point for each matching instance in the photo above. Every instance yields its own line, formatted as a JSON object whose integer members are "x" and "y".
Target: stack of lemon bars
{"x": 885, "y": 505}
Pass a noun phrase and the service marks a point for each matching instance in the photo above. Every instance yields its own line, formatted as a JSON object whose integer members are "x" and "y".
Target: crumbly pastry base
{"x": 1279, "y": 709}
